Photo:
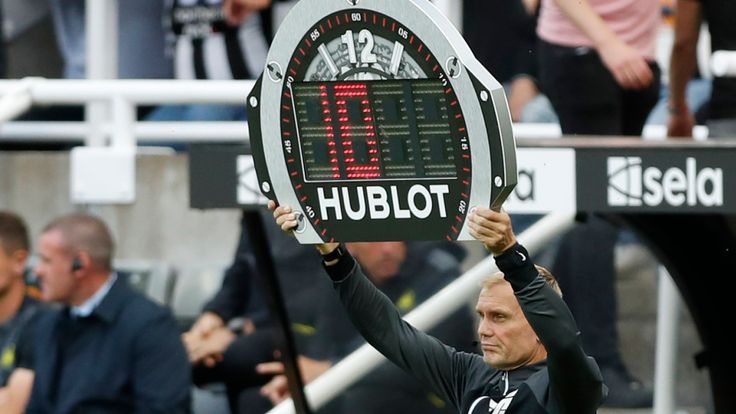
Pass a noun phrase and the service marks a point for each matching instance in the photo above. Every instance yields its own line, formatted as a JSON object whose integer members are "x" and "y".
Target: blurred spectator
{"x": 3, "y": 54}
{"x": 30, "y": 42}
{"x": 19, "y": 315}
{"x": 598, "y": 69}
{"x": 698, "y": 87}
{"x": 139, "y": 23}
{"x": 408, "y": 273}
{"x": 236, "y": 330}
{"x": 718, "y": 14}
{"x": 216, "y": 39}
{"x": 502, "y": 36}
{"x": 109, "y": 349}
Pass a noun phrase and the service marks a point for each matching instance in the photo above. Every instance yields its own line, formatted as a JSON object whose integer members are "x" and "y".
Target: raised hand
{"x": 493, "y": 228}
{"x": 284, "y": 215}
{"x": 238, "y": 10}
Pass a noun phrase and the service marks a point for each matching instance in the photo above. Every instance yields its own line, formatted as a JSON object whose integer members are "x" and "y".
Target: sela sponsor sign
{"x": 631, "y": 184}
{"x": 696, "y": 180}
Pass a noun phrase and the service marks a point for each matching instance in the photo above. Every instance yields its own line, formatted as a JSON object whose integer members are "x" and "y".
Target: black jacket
{"x": 126, "y": 357}
{"x": 567, "y": 382}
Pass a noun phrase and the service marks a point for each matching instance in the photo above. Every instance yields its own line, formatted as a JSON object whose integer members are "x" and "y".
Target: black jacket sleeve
{"x": 433, "y": 363}
{"x": 575, "y": 380}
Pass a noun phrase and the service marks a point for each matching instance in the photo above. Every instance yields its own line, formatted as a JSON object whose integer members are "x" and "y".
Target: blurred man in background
{"x": 598, "y": 68}
{"x": 408, "y": 273}
{"x": 109, "y": 349}
{"x": 690, "y": 16}
{"x": 237, "y": 330}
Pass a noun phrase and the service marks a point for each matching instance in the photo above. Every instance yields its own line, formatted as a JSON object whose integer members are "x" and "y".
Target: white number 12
{"x": 366, "y": 55}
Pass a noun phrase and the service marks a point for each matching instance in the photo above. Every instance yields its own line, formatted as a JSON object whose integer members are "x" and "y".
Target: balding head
{"x": 85, "y": 233}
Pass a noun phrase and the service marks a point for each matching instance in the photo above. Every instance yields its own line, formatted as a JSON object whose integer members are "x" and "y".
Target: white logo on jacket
{"x": 493, "y": 406}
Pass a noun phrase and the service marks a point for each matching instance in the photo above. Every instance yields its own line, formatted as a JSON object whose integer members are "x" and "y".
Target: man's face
{"x": 54, "y": 268}
{"x": 12, "y": 265}
{"x": 506, "y": 338}
{"x": 381, "y": 260}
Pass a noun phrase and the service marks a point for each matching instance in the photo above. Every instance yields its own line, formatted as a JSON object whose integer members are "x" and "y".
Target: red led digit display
{"x": 374, "y": 130}
{"x": 357, "y": 133}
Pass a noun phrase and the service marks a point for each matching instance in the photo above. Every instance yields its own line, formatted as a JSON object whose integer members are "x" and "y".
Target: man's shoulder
{"x": 140, "y": 305}
{"x": 43, "y": 312}
{"x": 41, "y": 326}
{"x": 134, "y": 308}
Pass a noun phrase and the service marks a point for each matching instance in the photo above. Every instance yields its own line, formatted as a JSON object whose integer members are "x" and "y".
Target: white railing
{"x": 116, "y": 101}
{"x": 117, "y": 124}
{"x": 143, "y": 131}
{"x": 145, "y": 91}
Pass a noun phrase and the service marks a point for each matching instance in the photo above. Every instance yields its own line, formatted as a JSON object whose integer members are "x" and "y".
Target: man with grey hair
{"x": 532, "y": 362}
{"x": 109, "y": 348}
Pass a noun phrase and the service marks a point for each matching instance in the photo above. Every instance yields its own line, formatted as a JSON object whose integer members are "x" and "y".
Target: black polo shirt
{"x": 17, "y": 339}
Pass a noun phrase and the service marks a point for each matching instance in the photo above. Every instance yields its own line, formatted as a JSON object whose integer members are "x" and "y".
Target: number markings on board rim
{"x": 364, "y": 56}
{"x": 331, "y": 46}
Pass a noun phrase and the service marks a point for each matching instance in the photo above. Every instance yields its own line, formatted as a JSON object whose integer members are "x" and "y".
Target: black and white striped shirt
{"x": 206, "y": 47}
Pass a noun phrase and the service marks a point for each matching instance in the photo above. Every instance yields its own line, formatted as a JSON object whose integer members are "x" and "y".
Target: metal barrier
{"x": 118, "y": 98}
{"x": 121, "y": 97}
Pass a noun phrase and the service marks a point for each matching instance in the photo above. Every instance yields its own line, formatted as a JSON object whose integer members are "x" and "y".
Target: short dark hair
{"x": 13, "y": 232}
{"x": 84, "y": 232}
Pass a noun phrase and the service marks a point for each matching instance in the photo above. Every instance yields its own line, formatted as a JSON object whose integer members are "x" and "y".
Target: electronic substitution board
{"x": 374, "y": 120}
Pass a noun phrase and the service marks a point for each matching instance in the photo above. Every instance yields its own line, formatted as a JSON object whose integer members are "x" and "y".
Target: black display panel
{"x": 374, "y": 130}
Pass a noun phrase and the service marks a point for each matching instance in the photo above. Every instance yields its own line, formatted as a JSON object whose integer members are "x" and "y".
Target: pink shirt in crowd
{"x": 634, "y": 21}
